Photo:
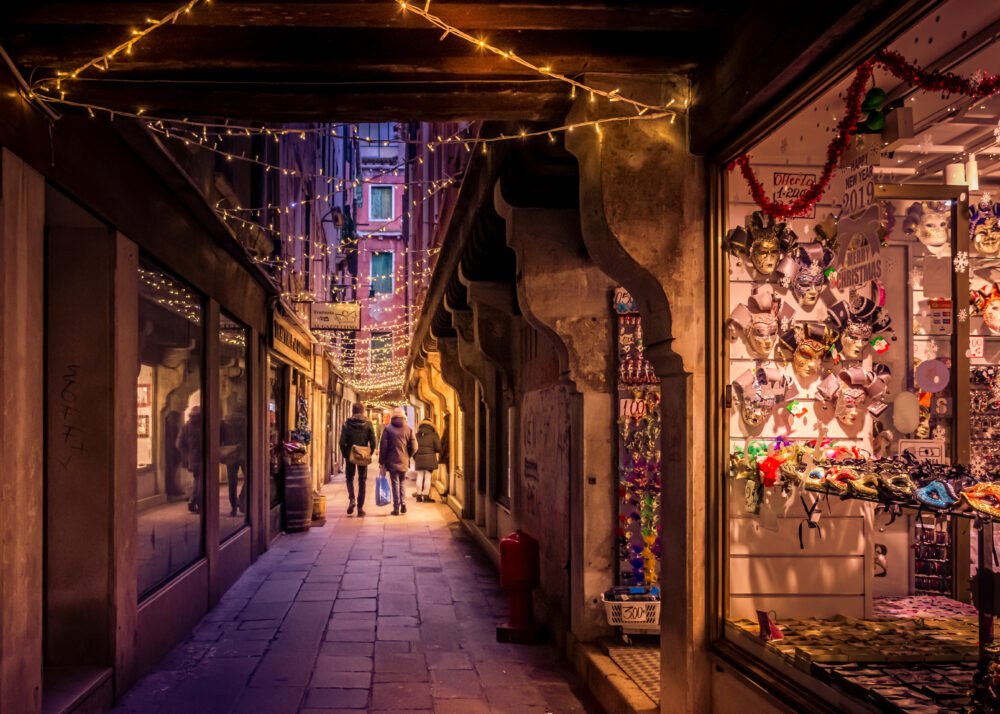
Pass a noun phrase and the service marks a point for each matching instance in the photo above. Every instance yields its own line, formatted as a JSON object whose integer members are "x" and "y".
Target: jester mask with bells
{"x": 760, "y": 319}
{"x": 759, "y": 391}
{"x": 854, "y": 388}
{"x": 804, "y": 271}
{"x": 985, "y": 227}
{"x": 929, "y": 222}
{"x": 808, "y": 344}
{"x": 857, "y": 320}
{"x": 763, "y": 241}
{"x": 988, "y": 305}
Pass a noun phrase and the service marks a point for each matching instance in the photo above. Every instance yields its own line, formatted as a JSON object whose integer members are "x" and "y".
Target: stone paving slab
{"x": 372, "y": 616}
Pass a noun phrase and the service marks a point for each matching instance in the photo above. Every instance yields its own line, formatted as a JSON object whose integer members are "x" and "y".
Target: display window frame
{"x": 249, "y": 457}
{"x": 147, "y": 261}
{"x": 798, "y": 688}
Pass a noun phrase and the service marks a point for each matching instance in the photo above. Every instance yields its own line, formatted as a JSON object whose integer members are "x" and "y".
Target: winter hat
{"x": 398, "y": 412}
{"x": 358, "y": 409}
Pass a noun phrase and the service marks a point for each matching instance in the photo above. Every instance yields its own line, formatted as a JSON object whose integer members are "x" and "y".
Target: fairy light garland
{"x": 895, "y": 64}
{"x": 612, "y": 96}
{"x": 102, "y": 61}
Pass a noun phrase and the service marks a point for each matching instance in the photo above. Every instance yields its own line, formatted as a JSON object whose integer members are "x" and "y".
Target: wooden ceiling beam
{"x": 313, "y": 49}
{"x": 352, "y": 14}
{"x": 502, "y": 102}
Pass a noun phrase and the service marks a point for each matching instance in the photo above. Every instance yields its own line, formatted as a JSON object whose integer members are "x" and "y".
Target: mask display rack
{"x": 638, "y": 394}
{"x": 895, "y": 350}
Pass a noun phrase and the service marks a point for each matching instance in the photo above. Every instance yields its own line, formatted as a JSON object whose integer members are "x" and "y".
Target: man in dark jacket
{"x": 357, "y": 431}
{"x": 397, "y": 447}
{"x": 426, "y": 459}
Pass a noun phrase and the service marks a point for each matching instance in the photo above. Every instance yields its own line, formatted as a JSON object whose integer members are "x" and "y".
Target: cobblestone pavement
{"x": 380, "y": 614}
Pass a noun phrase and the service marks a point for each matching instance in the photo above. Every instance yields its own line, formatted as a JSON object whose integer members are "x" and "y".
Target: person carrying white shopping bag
{"x": 428, "y": 451}
{"x": 397, "y": 447}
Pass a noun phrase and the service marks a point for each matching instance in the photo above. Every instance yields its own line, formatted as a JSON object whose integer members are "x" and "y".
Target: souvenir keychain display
{"x": 638, "y": 452}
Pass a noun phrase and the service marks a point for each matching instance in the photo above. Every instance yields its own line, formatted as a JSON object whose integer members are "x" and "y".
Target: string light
{"x": 102, "y": 61}
{"x": 613, "y": 95}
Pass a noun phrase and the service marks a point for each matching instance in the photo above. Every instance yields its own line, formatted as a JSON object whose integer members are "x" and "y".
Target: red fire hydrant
{"x": 519, "y": 575}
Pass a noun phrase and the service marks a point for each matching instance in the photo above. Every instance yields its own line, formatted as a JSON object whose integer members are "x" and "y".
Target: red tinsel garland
{"x": 897, "y": 65}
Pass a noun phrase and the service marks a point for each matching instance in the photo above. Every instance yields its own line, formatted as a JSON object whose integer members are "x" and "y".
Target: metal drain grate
{"x": 642, "y": 665}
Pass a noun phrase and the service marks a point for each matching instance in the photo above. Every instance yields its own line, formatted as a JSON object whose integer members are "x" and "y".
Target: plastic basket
{"x": 637, "y": 616}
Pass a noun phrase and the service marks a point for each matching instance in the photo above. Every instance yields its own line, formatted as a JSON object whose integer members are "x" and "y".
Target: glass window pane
{"x": 381, "y": 273}
{"x": 381, "y": 199}
{"x": 170, "y": 462}
{"x": 277, "y": 433}
{"x": 233, "y": 429}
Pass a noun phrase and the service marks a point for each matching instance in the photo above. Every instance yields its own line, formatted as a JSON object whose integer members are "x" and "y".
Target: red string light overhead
{"x": 946, "y": 82}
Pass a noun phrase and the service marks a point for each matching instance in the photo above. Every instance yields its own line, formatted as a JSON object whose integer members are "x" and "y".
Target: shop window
{"x": 234, "y": 432}
{"x": 381, "y": 276}
{"x": 170, "y": 438}
{"x": 277, "y": 428}
{"x": 862, "y": 399}
{"x": 381, "y": 349}
{"x": 381, "y": 203}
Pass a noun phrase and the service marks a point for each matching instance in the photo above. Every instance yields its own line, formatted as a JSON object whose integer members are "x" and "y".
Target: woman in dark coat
{"x": 426, "y": 459}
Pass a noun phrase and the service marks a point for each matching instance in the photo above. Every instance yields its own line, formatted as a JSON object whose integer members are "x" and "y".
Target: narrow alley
{"x": 678, "y": 320}
{"x": 373, "y": 614}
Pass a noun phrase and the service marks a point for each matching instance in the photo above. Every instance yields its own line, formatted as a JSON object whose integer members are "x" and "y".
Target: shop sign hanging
{"x": 859, "y": 180}
{"x": 335, "y": 316}
{"x": 790, "y": 185}
{"x": 286, "y": 341}
{"x": 860, "y": 261}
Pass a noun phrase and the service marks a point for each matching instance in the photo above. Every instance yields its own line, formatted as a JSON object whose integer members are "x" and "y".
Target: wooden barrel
{"x": 298, "y": 497}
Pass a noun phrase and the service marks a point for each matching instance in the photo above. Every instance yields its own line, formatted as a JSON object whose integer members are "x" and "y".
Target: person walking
{"x": 426, "y": 459}
{"x": 357, "y": 442}
{"x": 397, "y": 447}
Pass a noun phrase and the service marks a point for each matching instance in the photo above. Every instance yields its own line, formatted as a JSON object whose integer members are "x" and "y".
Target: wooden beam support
{"x": 504, "y": 101}
{"x": 351, "y": 14}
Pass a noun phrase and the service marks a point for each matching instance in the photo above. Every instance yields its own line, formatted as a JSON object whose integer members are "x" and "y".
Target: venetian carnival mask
{"x": 762, "y": 241}
{"x": 985, "y": 226}
{"x": 930, "y": 223}
{"x": 988, "y": 305}
{"x": 857, "y": 321}
{"x": 760, "y": 391}
{"x": 760, "y": 319}
{"x": 804, "y": 272}
{"x": 808, "y": 344}
{"x": 854, "y": 389}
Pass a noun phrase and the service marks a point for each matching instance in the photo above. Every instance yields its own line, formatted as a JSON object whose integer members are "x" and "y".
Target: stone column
{"x": 563, "y": 293}
{"x": 22, "y": 324}
{"x": 642, "y": 208}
